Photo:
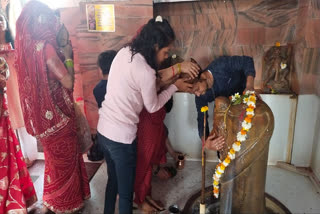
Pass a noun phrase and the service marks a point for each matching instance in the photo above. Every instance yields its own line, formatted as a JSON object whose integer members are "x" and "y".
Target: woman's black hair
{"x": 8, "y": 35}
{"x": 154, "y": 33}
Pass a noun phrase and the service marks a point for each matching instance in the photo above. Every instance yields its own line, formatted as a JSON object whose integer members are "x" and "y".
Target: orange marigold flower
{"x": 232, "y": 151}
{"x": 227, "y": 160}
{"x": 216, "y": 191}
{"x": 251, "y": 106}
{"x": 247, "y": 119}
{"x": 250, "y": 116}
{"x": 243, "y": 132}
{"x": 238, "y": 143}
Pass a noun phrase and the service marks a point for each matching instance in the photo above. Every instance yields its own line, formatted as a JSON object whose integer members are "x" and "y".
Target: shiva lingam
{"x": 242, "y": 188}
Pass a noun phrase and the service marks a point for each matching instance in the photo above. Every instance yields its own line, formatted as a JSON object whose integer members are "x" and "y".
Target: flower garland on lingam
{"x": 248, "y": 98}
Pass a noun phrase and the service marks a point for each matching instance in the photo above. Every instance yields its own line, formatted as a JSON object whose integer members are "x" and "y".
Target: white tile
{"x": 293, "y": 190}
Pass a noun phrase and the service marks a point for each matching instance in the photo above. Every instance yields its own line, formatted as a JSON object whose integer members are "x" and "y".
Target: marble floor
{"x": 293, "y": 190}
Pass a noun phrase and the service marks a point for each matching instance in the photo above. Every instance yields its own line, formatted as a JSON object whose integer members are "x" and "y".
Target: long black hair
{"x": 155, "y": 33}
{"x": 8, "y": 35}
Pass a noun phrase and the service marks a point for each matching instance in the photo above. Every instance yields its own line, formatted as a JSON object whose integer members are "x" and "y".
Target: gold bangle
{"x": 68, "y": 63}
{"x": 179, "y": 68}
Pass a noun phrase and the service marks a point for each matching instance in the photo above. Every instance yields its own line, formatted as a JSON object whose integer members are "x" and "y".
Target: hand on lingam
{"x": 214, "y": 142}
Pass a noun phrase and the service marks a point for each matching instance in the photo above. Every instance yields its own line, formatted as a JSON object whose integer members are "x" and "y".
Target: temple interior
{"x": 205, "y": 30}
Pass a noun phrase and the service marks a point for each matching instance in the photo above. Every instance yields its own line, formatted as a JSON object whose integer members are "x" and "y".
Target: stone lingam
{"x": 242, "y": 188}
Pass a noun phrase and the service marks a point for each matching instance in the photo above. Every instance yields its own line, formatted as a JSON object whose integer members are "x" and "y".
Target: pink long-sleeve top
{"x": 131, "y": 86}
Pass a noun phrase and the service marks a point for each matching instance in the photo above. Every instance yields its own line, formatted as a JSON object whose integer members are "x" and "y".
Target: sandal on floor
{"x": 169, "y": 169}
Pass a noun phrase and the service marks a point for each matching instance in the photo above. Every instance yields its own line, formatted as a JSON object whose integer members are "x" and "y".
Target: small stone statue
{"x": 276, "y": 69}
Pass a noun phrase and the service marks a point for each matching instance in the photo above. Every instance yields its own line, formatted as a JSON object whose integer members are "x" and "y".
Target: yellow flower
{"x": 250, "y": 109}
{"x": 222, "y": 167}
{"x": 277, "y": 44}
{"x": 232, "y": 151}
{"x": 252, "y": 98}
{"x": 216, "y": 183}
{"x": 238, "y": 143}
{"x": 204, "y": 109}
{"x": 245, "y": 129}
{"x": 219, "y": 173}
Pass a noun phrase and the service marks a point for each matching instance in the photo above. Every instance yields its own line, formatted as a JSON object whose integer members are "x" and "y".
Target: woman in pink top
{"x": 132, "y": 86}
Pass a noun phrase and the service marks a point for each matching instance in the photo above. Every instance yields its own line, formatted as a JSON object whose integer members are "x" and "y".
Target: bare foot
{"x": 161, "y": 172}
{"x": 147, "y": 208}
{"x": 45, "y": 210}
{"x": 28, "y": 162}
{"x": 155, "y": 203}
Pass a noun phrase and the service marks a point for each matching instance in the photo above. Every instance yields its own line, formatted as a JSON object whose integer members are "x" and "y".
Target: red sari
{"x": 16, "y": 187}
{"x": 48, "y": 109}
{"x": 151, "y": 150}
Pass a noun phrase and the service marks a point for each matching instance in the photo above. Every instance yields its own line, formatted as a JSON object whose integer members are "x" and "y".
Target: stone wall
{"x": 205, "y": 30}
{"x": 208, "y": 29}
{"x": 129, "y": 16}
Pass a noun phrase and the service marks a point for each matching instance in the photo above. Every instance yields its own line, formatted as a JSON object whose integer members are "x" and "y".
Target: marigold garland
{"x": 248, "y": 98}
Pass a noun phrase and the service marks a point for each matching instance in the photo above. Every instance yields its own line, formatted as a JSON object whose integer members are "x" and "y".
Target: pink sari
{"x": 48, "y": 109}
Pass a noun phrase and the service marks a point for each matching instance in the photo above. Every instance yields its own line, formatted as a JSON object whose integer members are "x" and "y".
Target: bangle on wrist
{"x": 68, "y": 63}
{"x": 172, "y": 71}
{"x": 179, "y": 68}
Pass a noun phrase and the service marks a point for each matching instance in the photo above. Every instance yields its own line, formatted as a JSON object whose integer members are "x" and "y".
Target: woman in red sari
{"x": 16, "y": 187}
{"x": 45, "y": 87}
{"x": 152, "y": 147}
